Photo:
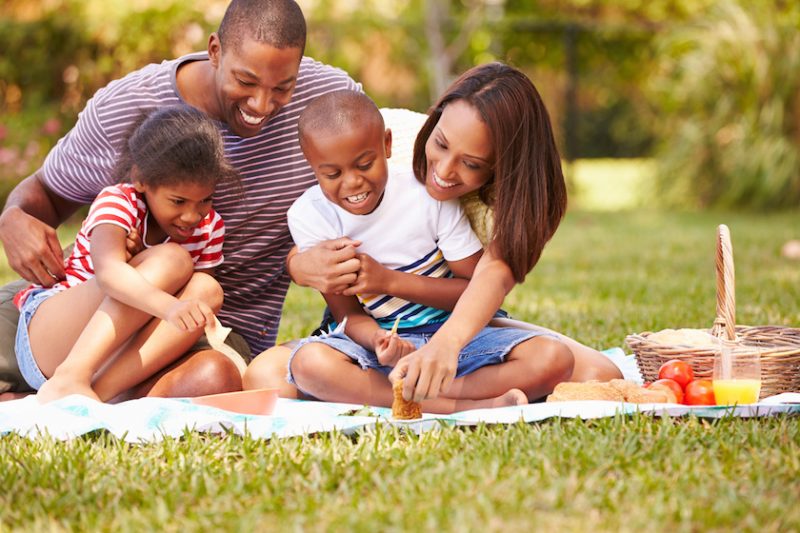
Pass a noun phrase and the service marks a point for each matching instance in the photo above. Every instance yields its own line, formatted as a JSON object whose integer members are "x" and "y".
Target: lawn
{"x": 605, "y": 274}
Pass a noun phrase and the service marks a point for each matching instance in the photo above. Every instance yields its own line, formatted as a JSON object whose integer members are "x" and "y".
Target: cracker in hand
{"x": 402, "y": 409}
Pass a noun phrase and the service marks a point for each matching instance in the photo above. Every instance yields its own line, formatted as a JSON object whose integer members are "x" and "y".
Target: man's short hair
{"x": 278, "y": 23}
{"x": 337, "y": 111}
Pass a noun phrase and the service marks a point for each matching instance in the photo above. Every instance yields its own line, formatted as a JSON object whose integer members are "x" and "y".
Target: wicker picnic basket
{"x": 779, "y": 346}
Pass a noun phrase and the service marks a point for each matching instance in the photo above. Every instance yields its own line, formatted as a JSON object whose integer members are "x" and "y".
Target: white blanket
{"x": 152, "y": 419}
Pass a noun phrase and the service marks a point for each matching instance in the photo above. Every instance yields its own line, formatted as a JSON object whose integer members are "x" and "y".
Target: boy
{"x": 399, "y": 226}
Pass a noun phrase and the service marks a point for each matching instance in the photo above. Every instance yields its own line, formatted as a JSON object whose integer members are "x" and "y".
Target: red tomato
{"x": 676, "y": 370}
{"x": 671, "y": 385}
{"x": 699, "y": 392}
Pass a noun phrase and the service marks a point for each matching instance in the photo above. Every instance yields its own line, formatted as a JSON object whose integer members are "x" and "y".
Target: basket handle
{"x": 725, "y": 323}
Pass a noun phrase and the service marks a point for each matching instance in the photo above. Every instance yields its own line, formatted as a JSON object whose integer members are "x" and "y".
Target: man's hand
{"x": 32, "y": 247}
{"x": 390, "y": 348}
{"x": 371, "y": 278}
{"x": 427, "y": 372}
{"x": 329, "y": 267}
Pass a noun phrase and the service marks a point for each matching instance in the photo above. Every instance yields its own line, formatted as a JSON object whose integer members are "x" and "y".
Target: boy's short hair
{"x": 278, "y": 23}
{"x": 336, "y": 111}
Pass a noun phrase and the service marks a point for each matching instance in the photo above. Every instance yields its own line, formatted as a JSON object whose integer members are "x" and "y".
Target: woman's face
{"x": 459, "y": 153}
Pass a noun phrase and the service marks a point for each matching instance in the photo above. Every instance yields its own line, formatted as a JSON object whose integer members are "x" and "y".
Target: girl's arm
{"x": 364, "y": 330}
{"x": 440, "y": 293}
{"x": 431, "y": 369}
{"x": 124, "y": 283}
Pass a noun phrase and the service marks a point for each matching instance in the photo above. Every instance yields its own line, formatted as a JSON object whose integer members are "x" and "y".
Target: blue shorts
{"x": 27, "y": 364}
{"x": 489, "y": 347}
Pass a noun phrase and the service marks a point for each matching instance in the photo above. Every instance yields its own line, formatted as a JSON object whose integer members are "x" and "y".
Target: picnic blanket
{"x": 152, "y": 419}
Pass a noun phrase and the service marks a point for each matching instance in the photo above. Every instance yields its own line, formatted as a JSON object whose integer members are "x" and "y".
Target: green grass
{"x": 605, "y": 274}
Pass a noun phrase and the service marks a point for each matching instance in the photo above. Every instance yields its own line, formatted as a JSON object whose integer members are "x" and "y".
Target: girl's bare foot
{"x": 56, "y": 388}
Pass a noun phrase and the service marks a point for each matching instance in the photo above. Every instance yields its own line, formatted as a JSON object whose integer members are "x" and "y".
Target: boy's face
{"x": 253, "y": 81}
{"x": 351, "y": 166}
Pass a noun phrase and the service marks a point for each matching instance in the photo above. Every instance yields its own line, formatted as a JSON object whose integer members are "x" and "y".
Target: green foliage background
{"x": 708, "y": 87}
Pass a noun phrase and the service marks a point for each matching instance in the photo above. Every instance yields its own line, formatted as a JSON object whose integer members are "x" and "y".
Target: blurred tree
{"x": 728, "y": 93}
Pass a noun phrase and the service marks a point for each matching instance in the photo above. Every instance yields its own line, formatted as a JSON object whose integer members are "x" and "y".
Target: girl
{"x": 86, "y": 335}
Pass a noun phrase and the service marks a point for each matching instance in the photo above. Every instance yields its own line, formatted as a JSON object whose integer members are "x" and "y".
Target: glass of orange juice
{"x": 737, "y": 374}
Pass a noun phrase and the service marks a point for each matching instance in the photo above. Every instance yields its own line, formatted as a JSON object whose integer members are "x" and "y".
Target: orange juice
{"x": 736, "y": 391}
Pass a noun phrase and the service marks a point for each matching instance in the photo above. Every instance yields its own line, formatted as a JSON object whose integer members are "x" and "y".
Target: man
{"x": 254, "y": 81}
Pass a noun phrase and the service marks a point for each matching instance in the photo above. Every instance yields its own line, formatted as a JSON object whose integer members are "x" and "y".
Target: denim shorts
{"x": 489, "y": 347}
{"x": 27, "y": 364}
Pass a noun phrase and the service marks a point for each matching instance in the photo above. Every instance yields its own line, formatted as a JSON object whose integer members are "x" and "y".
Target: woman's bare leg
{"x": 589, "y": 363}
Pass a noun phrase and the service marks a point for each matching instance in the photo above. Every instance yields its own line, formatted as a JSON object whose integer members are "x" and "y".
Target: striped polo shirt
{"x": 273, "y": 173}
{"x": 122, "y": 206}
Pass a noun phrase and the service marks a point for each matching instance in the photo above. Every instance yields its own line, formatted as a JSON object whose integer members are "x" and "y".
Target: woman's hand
{"x": 188, "y": 315}
{"x": 427, "y": 372}
{"x": 371, "y": 278}
{"x": 390, "y": 348}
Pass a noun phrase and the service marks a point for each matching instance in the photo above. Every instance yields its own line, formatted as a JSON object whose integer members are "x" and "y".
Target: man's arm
{"x": 27, "y": 230}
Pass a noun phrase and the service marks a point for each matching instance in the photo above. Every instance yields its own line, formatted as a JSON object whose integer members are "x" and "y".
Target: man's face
{"x": 351, "y": 166}
{"x": 253, "y": 81}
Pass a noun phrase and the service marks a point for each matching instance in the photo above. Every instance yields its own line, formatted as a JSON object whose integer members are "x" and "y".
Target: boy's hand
{"x": 329, "y": 267}
{"x": 427, "y": 372}
{"x": 371, "y": 278}
{"x": 188, "y": 315}
{"x": 390, "y": 348}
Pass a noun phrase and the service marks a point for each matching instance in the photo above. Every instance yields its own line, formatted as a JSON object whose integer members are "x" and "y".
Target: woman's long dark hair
{"x": 530, "y": 195}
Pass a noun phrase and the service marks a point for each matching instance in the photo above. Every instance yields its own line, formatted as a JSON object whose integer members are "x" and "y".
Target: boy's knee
{"x": 308, "y": 361}
{"x": 268, "y": 370}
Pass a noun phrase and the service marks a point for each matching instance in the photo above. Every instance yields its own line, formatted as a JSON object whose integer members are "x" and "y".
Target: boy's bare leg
{"x": 589, "y": 363}
{"x": 330, "y": 375}
{"x": 268, "y": 371}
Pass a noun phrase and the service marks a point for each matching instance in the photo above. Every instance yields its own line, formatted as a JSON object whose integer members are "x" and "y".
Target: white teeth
{"x": 441, "y": 183}
{"x": 357, "y": 198}
{"x": 250, "y": 119}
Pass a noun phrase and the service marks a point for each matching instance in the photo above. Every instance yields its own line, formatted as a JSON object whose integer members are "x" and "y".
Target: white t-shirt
{"x": 409, "y": 231}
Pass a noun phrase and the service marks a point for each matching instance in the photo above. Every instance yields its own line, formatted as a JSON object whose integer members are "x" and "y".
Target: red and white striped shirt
{"x": 121, "y": 205}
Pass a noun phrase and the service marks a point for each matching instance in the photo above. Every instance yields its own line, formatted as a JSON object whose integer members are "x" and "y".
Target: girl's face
{"x": 176, "y": 209}
{"x": 459, "y": 153}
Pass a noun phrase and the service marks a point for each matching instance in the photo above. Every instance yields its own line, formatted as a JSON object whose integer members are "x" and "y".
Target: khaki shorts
{"x": 11, "y": 379}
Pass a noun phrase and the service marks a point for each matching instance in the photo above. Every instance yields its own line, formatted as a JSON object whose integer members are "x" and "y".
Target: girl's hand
{"x": 133, "y": 244}
{"x": 371, "y": 278}
{"x": 390, "y": 348}
{"x": 427, "y": 372}
{"x": 188, "y": 315}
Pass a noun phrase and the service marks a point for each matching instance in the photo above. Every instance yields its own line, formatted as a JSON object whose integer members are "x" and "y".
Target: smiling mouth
{"x": 440, "y": 182}
{"x": 250, "y": 119}
{"x": 357, "y": 198}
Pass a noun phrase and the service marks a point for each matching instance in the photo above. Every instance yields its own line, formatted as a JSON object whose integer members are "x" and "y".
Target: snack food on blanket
{"x": 684, "y": 337}
{"x": 616, "y": 390}
{"x": 402, "y": 409}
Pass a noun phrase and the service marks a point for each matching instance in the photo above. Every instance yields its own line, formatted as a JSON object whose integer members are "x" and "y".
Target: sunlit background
{"x": 690, "y": 103}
